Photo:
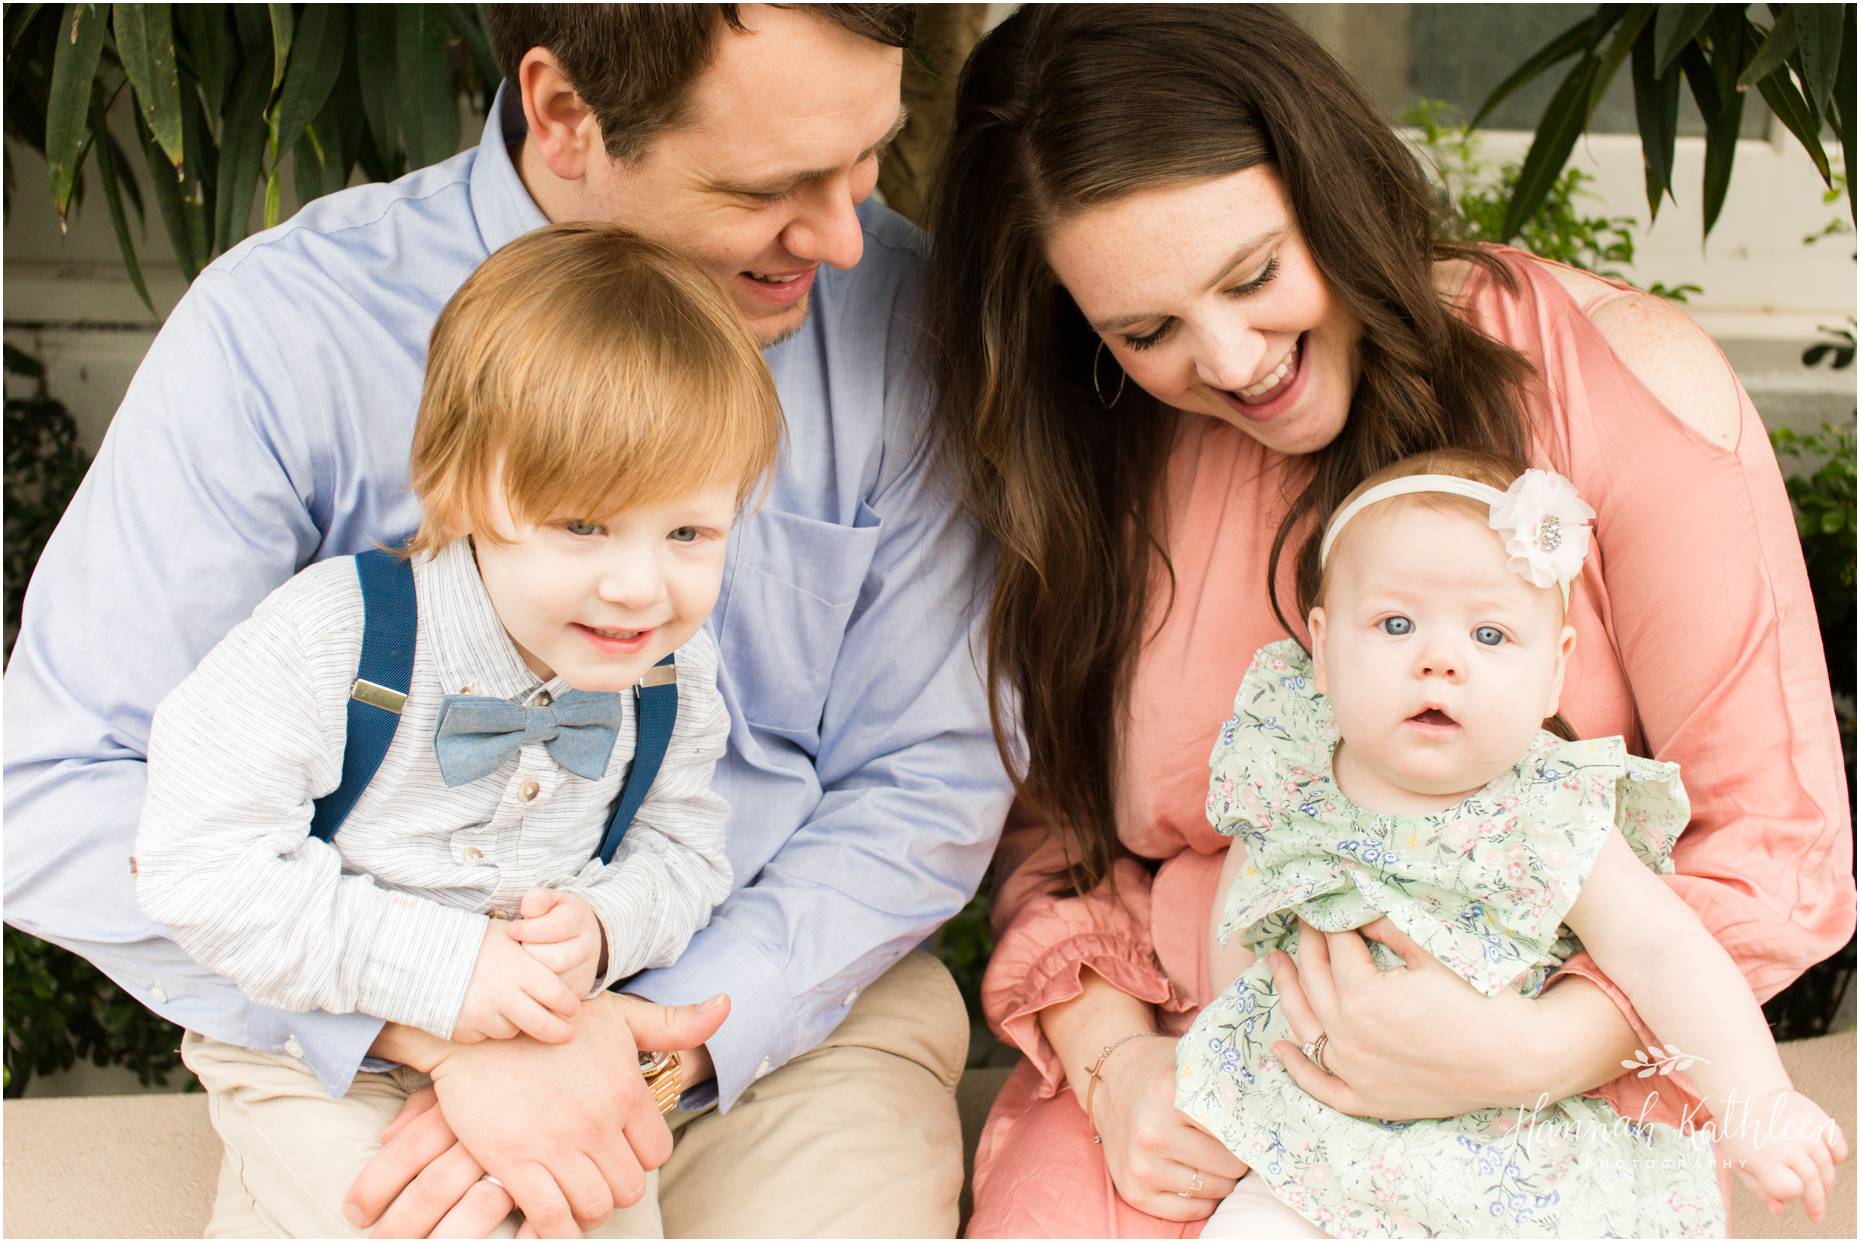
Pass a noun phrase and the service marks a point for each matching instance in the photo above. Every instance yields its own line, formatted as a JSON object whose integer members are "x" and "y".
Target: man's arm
{"x": 196, "y": 507}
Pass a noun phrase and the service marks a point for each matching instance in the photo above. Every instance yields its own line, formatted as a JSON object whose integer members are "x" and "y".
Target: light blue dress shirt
{"x": 269, "y": 427}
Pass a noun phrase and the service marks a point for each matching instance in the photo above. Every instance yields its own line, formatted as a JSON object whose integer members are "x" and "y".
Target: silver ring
{"x": 486, "y": 1177}
{"x": 1314, "y": 1052}
{"x": 1194, "y": 1180}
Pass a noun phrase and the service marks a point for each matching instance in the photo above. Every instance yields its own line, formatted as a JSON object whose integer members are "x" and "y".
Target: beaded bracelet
{"x": 1092, "y": 1079}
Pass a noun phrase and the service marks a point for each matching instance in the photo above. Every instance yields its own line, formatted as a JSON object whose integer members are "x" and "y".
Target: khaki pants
{"x": 857, "y": 1138}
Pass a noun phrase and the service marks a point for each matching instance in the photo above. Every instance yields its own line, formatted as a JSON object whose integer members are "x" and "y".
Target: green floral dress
{"x": 1483, "y": 887}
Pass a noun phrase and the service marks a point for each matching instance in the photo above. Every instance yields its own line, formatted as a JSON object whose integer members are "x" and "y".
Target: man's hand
{"x": 561, "y": 931}
{"x": 569, "y": 1129}
{"x": 512, "y": 993}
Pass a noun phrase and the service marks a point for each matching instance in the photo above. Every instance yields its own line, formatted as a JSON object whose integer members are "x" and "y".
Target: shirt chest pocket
{"x": 797, "y": 581}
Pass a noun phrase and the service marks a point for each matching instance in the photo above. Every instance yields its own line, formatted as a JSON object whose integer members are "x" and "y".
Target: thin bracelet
{"x": 1092, "y": 1078}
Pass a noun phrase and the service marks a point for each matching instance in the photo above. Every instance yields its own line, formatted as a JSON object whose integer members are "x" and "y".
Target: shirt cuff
{"x": 417, "y": 961}
{"x": 758, "y": 1036}
{"x": 1638, "y": 1099}
{"x": 1057, "y": 976}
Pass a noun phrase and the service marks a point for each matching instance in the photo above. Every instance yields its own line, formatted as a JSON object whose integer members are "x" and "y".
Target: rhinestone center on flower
{"x": 1549, "y": 533}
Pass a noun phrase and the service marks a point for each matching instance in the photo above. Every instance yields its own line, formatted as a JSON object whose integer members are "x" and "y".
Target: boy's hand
{"x": 561, "y": 931}
{"x": 1784, "y": 1148}
{"x": 511, "y": 993}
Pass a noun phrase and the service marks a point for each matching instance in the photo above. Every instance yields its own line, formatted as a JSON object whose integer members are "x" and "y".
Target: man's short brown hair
{"x": 634, "y": 64}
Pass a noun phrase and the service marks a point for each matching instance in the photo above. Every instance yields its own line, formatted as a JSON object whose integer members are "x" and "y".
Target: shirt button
{"x": 159, "y": 996}
{"x": 464, "y": 689}
{"x": 528, "y": 791}
{"x": 473, "y": 854}
{"x": 294, "y": 1048}
{"x": 544, "y": 698}
{"x": 850, "y": 998}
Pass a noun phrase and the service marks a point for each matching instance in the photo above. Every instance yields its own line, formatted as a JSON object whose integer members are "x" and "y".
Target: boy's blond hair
{"x": 602, "y": 371}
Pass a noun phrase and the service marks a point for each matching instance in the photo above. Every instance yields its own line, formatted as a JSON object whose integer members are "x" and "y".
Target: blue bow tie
{"x": 476, "y": 733}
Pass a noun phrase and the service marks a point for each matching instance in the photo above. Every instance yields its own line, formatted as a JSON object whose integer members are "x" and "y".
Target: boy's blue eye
{"x": 1396, "y": 626}
{"x": 579, "y": 527}
{"x": 684, "y": 534}
{"x": 1489, "y": 635}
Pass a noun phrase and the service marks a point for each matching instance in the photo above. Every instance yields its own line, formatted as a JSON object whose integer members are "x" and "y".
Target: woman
{"x": 1187, "y": 293}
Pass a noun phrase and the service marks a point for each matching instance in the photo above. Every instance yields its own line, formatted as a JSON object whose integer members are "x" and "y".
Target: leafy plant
{"x": 1802, "y": 65}
{"x": 225, "y": 95}
{"x": 59, "y": 1008}
{"x": 1476, "y": 200}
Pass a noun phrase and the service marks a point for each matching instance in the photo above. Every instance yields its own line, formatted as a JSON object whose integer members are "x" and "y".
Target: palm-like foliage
{"x": 225, "y": 95}
{"x": 1802, "y": 65}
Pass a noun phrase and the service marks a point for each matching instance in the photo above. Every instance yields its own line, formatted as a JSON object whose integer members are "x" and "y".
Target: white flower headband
{"x": 1543, "y": 522}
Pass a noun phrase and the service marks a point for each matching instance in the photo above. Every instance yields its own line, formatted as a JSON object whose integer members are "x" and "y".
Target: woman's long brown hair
{"x": 1065, "y": 107}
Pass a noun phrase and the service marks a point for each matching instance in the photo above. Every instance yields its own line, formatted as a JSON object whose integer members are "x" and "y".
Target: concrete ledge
{"x": 146, "y": 1165}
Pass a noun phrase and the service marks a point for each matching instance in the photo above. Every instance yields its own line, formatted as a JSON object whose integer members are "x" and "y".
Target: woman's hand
{"x": 1403, "y": 1044}
{"x": 1153, "y": 1151}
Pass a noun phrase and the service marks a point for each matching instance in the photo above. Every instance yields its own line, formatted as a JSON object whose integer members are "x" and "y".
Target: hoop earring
{"x": 1122, "y": 375}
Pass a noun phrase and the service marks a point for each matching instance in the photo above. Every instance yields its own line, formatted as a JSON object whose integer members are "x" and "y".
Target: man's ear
{"x": 562, "y": 129}
{"x": 1565, "y": 646}
{"x": 1315, "y": 625}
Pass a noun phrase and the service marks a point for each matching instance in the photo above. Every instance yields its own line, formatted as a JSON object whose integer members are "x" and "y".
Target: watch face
{"x": 651, "y": 1063}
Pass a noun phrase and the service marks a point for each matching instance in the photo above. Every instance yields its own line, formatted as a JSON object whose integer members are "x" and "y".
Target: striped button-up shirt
{"x": 387, "y": 919}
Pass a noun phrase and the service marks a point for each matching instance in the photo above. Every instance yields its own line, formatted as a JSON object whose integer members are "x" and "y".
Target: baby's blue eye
{"x": 1489, "y": 635}
{"x": 579, "y": 527}
{"x": 684, "y": 534}
{"x": 1396, "y": 626}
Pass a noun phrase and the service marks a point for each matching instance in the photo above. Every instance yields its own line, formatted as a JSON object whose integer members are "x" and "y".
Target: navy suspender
{"x": 383, "y": 675}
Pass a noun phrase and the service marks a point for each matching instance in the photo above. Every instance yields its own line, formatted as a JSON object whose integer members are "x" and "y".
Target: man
{"x": 269, "y": 427}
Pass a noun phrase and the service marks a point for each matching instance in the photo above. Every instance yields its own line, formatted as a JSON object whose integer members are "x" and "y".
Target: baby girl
{"x": 1413, "y": 767}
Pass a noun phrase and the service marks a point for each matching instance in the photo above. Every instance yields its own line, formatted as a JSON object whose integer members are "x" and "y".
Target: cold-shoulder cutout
{"x": 1668, "y": 353}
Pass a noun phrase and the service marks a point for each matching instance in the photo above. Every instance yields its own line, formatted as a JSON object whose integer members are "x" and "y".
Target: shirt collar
{"x": 472, "y": 653}
{"x": 503, "y": 207}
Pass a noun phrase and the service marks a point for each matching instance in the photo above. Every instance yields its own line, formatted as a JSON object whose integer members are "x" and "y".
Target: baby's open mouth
{"x": 1433, "y": 716}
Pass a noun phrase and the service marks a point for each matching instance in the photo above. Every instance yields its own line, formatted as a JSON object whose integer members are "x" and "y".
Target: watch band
{"x": 664, "y": 1078}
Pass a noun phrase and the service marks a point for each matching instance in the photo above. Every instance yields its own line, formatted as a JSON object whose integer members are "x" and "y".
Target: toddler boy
{"x": 594, "y": 418}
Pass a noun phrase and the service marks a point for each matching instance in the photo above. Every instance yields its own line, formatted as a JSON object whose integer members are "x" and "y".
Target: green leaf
{"x": 468, "y": 24}
{"x": 243, "y": 131}
{"x": 203, "y": 27}
{"x": 281, "y": 23}
{"x": 18, "y": 21}
{"x": 1627, "y": 35}
{"x": 274, "y": 197}
{"x": 1844, "y": 103}
{"x": 1780, "y": 93}
{"x": 375, "y": 29}
{"x": 429, "y": 115}
{"x": 1722, "y": 117}
{"x": 167, "y": 193}
{"x": 113, "y": 199}
{"x": 311, "y": 166}
{"x": 197, "y": 172}
{"x": 145, "y": 45}
{"x": 1674, "y": 30}
{"x": 1656, "y": 112}
{"x": 312, "y": 74}
{"x": 74, "y": 69}
{"x": 1774, "y": 53}
{"x": 1565, "y": 45}
{"x": 1819, "y": 39}
{"x": 1555, "y": 138}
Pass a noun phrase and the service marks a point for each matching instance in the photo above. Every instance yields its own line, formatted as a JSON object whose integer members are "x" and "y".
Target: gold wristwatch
{"x": 661, "y": 1071}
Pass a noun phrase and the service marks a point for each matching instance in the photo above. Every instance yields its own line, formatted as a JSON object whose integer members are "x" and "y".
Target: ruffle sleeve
{"x": 1045, "y": 942}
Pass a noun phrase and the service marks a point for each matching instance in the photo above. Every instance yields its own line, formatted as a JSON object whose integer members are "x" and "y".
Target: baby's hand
{"x": 561, "y": 931}
{"x": 1784, "y": 1148}
{"x": 511, "y": 992}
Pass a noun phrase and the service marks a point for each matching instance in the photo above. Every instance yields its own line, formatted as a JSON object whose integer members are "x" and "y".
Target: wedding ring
{"x": 488, "y": 1178}
{"x": 1314, "y": 1051}
{"x": 1194, "y": 1180}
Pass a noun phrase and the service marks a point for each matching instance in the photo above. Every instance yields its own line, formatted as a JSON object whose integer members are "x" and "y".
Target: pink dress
{"x": 1697, "y": 643}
